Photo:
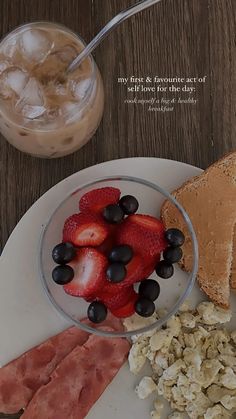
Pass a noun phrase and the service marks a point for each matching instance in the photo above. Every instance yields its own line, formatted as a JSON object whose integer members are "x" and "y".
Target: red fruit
{"x": 89, "y": 268}
{"x": 107, "y": 245}
{"x": 150, "y": 268}
{"x": 90, "y": 298}
{"x": 134, "y": 271}
{"x": 114, "y": 300}
{"x": 148, "y": 271}
{"x": 144, "y": 233}
{"x": 134, "y": 274}
{"x": 85, "y": 230}
{"x": 127, "y": 310}
{"x": 97, "y": 199}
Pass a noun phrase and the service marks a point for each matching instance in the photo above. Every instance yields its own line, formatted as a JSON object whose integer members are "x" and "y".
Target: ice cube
{"x": 69, "y": 107}
{"x": 80, "y": 88}
{"x": 31, "y": 102}
{"x": 55, "y": 64}
{"x": 12, "y": 80}
{"x": 66, "y": 54}
{"x": 35, "y": 44}
{"x": 32, "y": 94}
{"x": 50, "y": 70}
{"x": 3, "y": 65}
{"x": 9, "y": 46}
{"x": 70, "y": 110}
{"x": 32, "y": 112}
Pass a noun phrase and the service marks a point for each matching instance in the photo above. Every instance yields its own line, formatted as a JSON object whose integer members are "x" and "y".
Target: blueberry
{"x": 174, "y": 237}
{"x": 97, "y": 312}
{"x": 63, "y": 253}
{"x": 164, "y": 269}
{"x": 172, "y": 254}
{"x": 113, "y": 214}
{"x": 116, "y": 272}
{"x": 144, "y": 307}
{"x": 62, "y": 274}
{"x": 129, "y": 204}
{"x": 123, "y": 254}
{"x": 149, "y": 288}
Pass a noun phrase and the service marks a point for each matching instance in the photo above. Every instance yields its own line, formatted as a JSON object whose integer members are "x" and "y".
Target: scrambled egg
{"x": 193, "y": 361}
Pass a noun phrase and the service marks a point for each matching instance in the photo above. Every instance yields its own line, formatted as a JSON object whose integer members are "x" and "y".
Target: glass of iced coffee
{"x": 44, "y": 111}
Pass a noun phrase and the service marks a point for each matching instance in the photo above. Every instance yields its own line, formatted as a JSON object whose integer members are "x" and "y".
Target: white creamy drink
{"x": 44, "y": 111}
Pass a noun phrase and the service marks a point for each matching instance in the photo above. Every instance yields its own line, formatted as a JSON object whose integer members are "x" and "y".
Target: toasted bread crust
{"x": 233, "y": 270}
{"x": 210, "y": 201}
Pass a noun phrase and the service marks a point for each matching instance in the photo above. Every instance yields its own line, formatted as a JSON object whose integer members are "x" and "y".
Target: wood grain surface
{"x": 174, "y": 38}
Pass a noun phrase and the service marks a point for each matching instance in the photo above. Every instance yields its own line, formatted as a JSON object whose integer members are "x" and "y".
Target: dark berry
{"x": 174, "y": 237}
{"x": 62, "y": 274}
{"x": 63, "y": 253}
{"x": 116, "y": 272}
{"x": 144, "y": 307}
{"x": 113, "y": 214}
{"x": 172, "y": 254}
{"x": 97, "y": 312}
{"x": 129, "y": 204}
{"x": 123, "y": 254}
{"x": 149, "y": 288}
{"x": 164, "y": 269}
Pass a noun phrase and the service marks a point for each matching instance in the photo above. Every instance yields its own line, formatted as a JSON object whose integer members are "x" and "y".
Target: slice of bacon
{"x": 21, "y": 378}
{"x": 79, "y": 380}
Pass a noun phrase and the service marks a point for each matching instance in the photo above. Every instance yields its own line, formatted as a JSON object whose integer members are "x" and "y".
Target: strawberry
{"x": 144, "y": 233}
{"x": 134, "y": 271}
{"x": 85, "y": 230}
{"x": 127, "y": 310}
{"x": 114, "y": 300}
{"x": 149, "y": 268}
{"x": 89, "y": 273}
{"x": 134, "y": 274}
{"x": 90, "y": 298}
{"x": 107, "y": 245}
{"x": 97, "y": 199}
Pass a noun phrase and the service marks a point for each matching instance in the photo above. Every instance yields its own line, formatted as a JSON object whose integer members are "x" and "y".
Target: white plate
{"x": 26, "y": 316}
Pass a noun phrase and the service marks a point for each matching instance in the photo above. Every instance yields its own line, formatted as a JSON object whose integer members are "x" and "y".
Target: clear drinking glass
{"x": 43, "y": 111}
{"x": 173, "y": 291}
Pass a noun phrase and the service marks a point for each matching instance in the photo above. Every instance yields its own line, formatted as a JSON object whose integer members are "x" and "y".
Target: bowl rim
{"x": 191, "y": 275}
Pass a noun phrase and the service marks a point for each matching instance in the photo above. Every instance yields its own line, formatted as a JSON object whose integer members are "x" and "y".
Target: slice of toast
{"x": 210, "y": 201}
{"x": 233, "y": 270}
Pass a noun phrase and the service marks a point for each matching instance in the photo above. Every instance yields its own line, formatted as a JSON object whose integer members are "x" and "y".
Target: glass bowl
{"x": 173, "y": 291}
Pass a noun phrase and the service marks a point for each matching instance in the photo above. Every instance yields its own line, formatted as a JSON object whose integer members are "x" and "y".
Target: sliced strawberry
{"x": 114, "y": 300}
{"x": 97, "y": 199}
{"x": 107, "y": 245}
{"x": 150, "y": 268}
{"x": 134, "y": 271}
{"x": 89, "y": 268}
{"x": 90, "y": 298}
{"x": 144, "y": 233}
{"x": 148, "y": 271}
{"x": 85, "y": 230}
{"x": 127, "y": 310}
{"x": 134, "y": 274}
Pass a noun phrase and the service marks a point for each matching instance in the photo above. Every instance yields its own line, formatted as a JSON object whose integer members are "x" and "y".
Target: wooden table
{"x": 189, "y": 38}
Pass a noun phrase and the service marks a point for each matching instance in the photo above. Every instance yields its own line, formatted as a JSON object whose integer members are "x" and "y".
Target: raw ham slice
{"x": 79, "y": 380}
{"x": 21, "y": 378}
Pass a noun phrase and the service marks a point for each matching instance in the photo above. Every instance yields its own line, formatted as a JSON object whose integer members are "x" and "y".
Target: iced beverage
{"x": 43, "y": 110}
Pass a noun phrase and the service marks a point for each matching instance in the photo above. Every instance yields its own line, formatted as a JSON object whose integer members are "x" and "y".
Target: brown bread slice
{"x": 210, "y": 201}
{"x": 233, "y": 271}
